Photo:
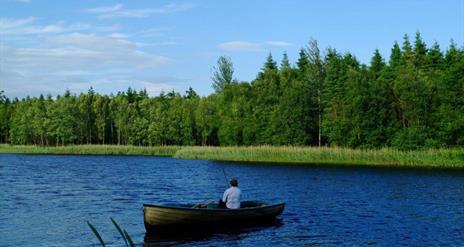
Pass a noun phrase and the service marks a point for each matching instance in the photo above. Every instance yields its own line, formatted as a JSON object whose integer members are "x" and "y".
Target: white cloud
{"x": 92, "y": 42}
{"x": 250, "y": 46}
{"x": 104, "y": 84}
{"x": 73, "y": 58}
{"x": 240, "y": 46}
{"x": 278, "y": 43}
{"x": 37, "y": 57}
{"x": 21, "y": 27}
{"x": 28, "y": 26}
{"x": 80, "y": 51}
{"x": 152, "y": 32}
{"x": 162, "y": 43}
{"x": 107, "y": 9}
{"x": 118, "y": 35}
{"x": 154, "y": 85}
{"x": 117, "y": 11}
{"x": 79, "y": 26}
{"x": 6, "y": 23}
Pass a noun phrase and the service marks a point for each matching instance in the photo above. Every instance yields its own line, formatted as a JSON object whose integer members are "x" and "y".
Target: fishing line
{"x": 225, "y": 177}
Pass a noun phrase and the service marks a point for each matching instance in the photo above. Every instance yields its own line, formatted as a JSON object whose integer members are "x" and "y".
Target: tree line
{"x": 413, "y": 99}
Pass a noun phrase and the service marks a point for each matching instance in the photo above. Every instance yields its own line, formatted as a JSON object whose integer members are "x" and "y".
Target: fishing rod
{"x": 225, "y": 177}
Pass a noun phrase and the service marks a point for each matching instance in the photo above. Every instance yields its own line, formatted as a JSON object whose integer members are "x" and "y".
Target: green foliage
{"x": 5, "y": 115}
{"x": 223, "y": 74}
{"x": 206, "y": 121}
{"x": 234, "y": 111}
{"x": 414, "y": 100}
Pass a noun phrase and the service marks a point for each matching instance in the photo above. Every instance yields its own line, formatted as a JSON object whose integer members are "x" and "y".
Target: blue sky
{"x": 50, "y": 46}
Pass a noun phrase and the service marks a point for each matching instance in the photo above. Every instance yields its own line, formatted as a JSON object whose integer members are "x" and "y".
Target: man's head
{"x": 233, "y": 182}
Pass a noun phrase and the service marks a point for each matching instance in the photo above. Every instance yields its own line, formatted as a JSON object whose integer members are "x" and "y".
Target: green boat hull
{"x": 158, "y": 218}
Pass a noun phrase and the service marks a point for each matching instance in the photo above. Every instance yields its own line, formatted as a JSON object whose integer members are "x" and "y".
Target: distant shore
{"x": 430, "y": 158}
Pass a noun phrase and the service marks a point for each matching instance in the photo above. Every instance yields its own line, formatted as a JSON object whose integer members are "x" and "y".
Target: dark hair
{"x": 233, "y": 182}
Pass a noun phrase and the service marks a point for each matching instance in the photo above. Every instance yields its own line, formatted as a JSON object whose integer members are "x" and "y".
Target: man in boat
{"x": 231, "y": 197}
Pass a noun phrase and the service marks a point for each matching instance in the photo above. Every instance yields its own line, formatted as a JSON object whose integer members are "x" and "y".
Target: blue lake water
{"x": 45, "y": 200}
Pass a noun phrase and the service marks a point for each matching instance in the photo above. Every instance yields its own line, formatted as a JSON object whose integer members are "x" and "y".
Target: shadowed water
{"x": 46, "y": 201}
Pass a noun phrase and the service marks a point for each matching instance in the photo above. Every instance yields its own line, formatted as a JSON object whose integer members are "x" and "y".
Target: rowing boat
{"x": 161, "y": 217}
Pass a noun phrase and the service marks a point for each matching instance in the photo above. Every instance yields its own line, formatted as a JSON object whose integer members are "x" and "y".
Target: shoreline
{"x": 282, "y": 155}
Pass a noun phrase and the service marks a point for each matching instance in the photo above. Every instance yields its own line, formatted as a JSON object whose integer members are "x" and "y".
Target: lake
{"x": 45, "y": 200}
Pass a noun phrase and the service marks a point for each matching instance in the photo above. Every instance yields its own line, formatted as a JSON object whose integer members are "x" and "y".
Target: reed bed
{"x": 433, "y": 158}
{"x": 387, "y": 157}
{"x": 92, "y": 150}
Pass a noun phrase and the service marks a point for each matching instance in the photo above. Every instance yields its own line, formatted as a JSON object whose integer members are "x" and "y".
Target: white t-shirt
{"x": 232, "y": 197}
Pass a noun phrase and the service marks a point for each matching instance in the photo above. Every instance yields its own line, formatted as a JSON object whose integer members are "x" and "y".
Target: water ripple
{"x": 46, "y": 200}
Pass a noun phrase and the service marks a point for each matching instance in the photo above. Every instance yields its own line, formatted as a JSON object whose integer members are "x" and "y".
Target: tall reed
{"x": 451, "y": 158}
{"x": 430, "y": 158}
{"x": 92, "y": 149}
{"x": 125, "y": 236}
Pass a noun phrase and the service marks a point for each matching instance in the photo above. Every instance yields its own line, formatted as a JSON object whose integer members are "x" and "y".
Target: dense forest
{"x": 414, "y": 99}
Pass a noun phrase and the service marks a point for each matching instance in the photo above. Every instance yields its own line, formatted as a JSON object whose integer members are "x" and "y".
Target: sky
{"x": 47, "y": 47}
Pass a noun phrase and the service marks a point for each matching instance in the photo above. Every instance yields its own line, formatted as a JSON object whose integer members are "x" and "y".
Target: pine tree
{"x": 270, "y": 64}
{"x": 267, "y": 91}
{"x": 420, "y": 51}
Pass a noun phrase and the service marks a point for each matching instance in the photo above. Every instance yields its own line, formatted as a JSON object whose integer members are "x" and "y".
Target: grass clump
{"x": 92, "y": 150}
{"x": 428, "y": 158}
{"x": 450, "y": 158}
